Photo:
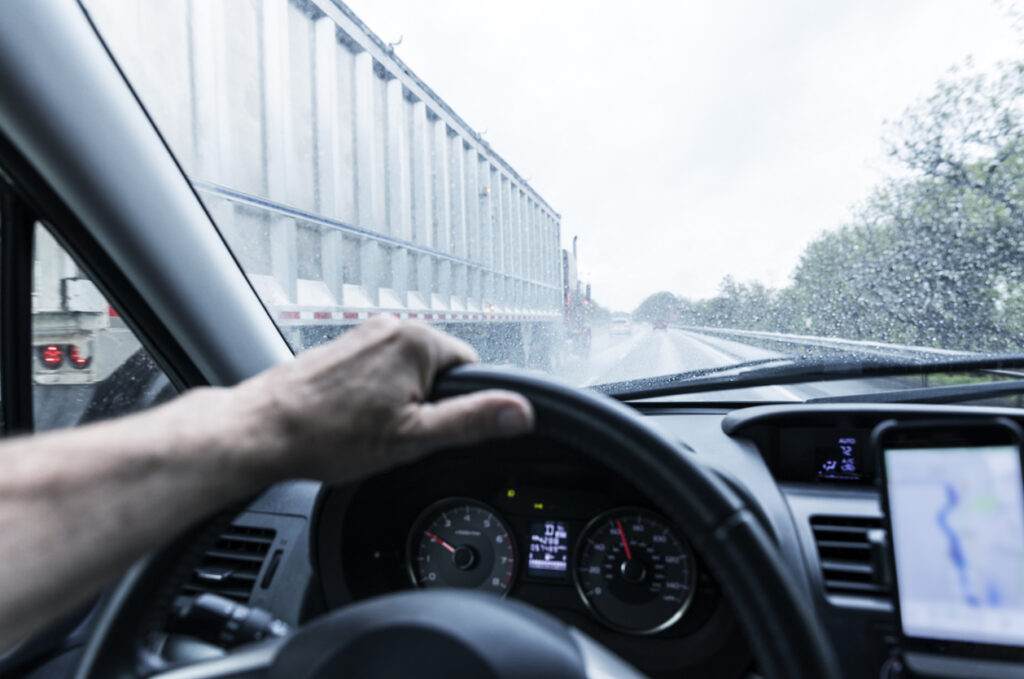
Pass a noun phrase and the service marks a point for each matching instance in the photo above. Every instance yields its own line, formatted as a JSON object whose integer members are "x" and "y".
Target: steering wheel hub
{"x": 443, "y": 634}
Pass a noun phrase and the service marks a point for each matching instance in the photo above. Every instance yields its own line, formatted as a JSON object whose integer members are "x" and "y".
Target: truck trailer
{"x": 345, "y": 185}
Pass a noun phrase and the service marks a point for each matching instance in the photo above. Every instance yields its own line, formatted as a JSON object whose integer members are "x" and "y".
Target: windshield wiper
{"x": 685, "y": 378}
{"x": 796, "y": 370}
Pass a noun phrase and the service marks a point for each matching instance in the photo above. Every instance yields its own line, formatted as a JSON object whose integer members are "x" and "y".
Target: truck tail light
{"x": 51, "y": 355}
{"x": 78, "y": 358}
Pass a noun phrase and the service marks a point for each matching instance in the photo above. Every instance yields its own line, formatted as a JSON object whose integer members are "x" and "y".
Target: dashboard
{"x": 542, "y": 523}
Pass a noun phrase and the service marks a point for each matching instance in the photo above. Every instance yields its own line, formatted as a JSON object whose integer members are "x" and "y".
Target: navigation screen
{"x": 549, "y": 549}
{"x": 957, "y": 517}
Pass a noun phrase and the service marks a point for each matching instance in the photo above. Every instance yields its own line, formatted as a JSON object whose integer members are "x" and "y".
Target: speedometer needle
{"x": 442, "y": 542}
{"x": 622, "y": 534}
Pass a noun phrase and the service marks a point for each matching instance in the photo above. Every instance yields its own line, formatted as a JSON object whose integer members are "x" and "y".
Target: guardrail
{"x": 833, "y": 343}
{"x": 811, "y": 343}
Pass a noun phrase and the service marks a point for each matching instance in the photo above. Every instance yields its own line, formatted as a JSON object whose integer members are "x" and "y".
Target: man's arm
{"x": 78, "y": 506}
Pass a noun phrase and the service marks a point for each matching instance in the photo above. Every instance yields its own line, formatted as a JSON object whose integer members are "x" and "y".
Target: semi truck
{"x": 345, "y": 185}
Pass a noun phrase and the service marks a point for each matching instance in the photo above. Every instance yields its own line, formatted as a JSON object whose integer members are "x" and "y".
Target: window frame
{"x": 16, "y": 240}
{"x": 35, "y": 201}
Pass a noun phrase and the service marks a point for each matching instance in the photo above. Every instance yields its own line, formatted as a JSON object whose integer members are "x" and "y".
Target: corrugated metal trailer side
{"x": 346, "y": 186}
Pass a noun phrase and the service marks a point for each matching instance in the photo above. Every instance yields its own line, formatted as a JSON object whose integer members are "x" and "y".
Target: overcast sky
{"x": 684, "y": 141}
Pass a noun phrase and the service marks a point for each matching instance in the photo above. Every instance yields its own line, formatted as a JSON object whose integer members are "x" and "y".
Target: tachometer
{"x": 460, "y": 542}
{"x": 634, "y": 572}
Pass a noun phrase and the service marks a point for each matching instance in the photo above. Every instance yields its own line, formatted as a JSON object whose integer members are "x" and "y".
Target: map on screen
{"x": 957, "y": 517}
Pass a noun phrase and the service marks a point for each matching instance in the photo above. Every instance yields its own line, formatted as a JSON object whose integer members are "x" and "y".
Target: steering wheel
{"x": 457, "y": 633}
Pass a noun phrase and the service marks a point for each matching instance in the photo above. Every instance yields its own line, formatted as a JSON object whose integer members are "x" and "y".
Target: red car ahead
{"x": 660, "y": 325}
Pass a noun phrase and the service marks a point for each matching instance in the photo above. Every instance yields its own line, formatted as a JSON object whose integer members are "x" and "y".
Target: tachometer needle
{"x": 442, "y": 542}
{"x": 622, "y": 534}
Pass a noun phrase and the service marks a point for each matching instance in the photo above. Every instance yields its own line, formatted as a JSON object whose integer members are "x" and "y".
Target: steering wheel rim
{"x": 779, "y": 621}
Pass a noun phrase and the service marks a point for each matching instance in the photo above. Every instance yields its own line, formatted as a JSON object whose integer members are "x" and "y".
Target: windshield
{"x": 612, "y": 193}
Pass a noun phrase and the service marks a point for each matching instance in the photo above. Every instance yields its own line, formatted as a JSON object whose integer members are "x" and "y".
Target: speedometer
{"x": 634, "y": 572}
{"x": 460, "y": 542}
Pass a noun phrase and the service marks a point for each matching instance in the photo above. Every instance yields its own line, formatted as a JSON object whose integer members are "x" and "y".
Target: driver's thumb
{"x": 471, "y": 418}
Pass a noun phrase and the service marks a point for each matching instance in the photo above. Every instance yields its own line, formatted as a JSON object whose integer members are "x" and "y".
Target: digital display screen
{"x": 839, "y": 459}
{"x": 957, "y": 517}
{"x": 549, "y": 549}
{"x": 825, "y": 455}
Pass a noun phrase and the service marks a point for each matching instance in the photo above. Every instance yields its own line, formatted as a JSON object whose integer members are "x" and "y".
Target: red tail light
{"x": 51, "y": 355}
{"x": 78, "y": 358}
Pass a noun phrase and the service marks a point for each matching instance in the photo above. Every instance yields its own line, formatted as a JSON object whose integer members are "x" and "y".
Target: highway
{"x": 642, "y": 353}
{"x": 646, "y": 352}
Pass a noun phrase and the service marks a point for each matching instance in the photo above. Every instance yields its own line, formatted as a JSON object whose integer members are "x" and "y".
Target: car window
{"x": 86, "y": 364}
{"x": 745, "y": 181}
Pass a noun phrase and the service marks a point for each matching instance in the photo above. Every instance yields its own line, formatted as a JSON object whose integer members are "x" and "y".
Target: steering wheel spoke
{"x": 427, "y": 634}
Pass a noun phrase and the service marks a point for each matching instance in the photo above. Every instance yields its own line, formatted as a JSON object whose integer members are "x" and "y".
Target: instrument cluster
{"x": 630, "y": 567}
{"x": 545, "y": 526}
{"x": 534, "y": 521}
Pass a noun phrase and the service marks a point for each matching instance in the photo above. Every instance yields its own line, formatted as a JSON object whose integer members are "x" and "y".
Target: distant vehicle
{"x": 660, "y": 325}
{"x": 621, "y": 326}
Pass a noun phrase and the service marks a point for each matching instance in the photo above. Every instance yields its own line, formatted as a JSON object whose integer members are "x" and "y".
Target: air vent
{"x": 232, "y": 566}
{"x": 852, "y": 556}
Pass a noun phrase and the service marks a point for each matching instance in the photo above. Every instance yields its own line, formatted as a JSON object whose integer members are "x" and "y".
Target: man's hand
{"x": 78, "y": 505}
{"x": 356, "y": 405}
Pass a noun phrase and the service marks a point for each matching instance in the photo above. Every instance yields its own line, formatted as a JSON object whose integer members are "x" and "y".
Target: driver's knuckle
{"x": 384, "y": 326}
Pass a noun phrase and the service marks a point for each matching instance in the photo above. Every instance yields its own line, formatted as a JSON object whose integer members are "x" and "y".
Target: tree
{"x": 934, "y": 259}
{"x": 969, "y": 136}
{"x": 739, "y": 305}
{"x": 966, "y": 142}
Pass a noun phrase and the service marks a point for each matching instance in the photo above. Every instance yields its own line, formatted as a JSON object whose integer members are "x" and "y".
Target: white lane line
{"x": 729, "y": 360}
